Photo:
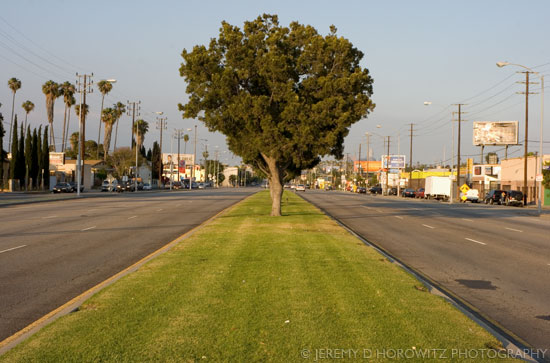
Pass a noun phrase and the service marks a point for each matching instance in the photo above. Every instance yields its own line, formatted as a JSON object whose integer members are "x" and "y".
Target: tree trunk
{"x": 107, "y": 140}
{"x": 52, "y": 146}
{"x": 99, "y": 132}
{"x": 275, "y": 186}
{"x": 64, "y": 125}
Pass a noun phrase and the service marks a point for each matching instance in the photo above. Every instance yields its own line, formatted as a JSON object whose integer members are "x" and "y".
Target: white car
{"x": 472, "y": 196}
{"x": 300, "y": 188}
{"x": 147, "y": 186}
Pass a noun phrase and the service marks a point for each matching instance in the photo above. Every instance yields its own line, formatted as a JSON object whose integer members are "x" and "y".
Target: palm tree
{"x": 120, "y": 109}
{"x": 74, "y": 141}
{"x": 51, "y": 90}
{"x": 84, "y": 107}
{"x": 28, "y": 106}
{"x": 109, "y": 117}
{"x": 104, "y": 87}
{"x": 185, "y": 139}
{"x": 14, "y": 84}
{"x": 140, "y": 129}
{"x": 69, "y": 102}
{"x": 67, "y": 90}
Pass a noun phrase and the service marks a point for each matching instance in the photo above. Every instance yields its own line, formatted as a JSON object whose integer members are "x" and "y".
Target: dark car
{"x": 493, "y": 196}
{"x": 62, "y": 188}
{"x": 393, "y": 191}
{"x": 419, "y": 193}
{"x": 127, "y": 186}
{"x": 514, "y": 197}
{"x": 375, "y": 190}
{"x": 408, "y": 193}
{"x": 362, "y": 190}
{"x": 74, "y": 186}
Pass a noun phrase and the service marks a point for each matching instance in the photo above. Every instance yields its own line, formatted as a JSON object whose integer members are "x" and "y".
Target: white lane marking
{"x": 158, "y": 210}
{"x": 467, "y": 220}
{"x": 14, "y": 248}
{"x": 364, "y": 206}
{"x": 425, "y": 225}
{"x": 398, "y": 217}
{"x": 87, "y": 229}
{"x": 512, "y": 229}
{"x": 48, "y": 217}
{"x": 473, "y": 240}
{"x": 132, "y": 217}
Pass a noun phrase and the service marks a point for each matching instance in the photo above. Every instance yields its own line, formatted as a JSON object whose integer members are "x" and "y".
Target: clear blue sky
{"x": 439, "y": 51}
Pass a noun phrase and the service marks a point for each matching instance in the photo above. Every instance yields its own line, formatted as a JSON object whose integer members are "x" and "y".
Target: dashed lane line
{"x": 87, "y": 229}
{"x": 158, "y": 210}
{"x": 473, "y": 240}
{"x": 48, "y": 217}
{"x": 515, "y": 230}
{"x": 399, "y": 217}
{"x": 467, "y": 220}
{"x": 132, "y": 217}
{"x": 425, "y": 225}
{"x": 13, "y": 248}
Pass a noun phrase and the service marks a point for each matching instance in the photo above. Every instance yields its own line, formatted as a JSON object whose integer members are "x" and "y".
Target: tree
{"x": 45, "y": 155}
{"x": 40, "y": 161}
{"x": 28, "y": 106}
{"x": 108, "y": 117}
{"x": 14, "y": 151}
{"x": 140, "y": 129}
{"x": 232, "y": 179}
{"x": 283, "y": 97}
{"x": 20, "y": 163}
{"x": 122, "y": 160}
{"x": 546, "y": 175}
{"x": 120, "y": 109}
{"x": 14, "y": 84}
{"x": 33, "y": 174}
{"x": 91, "y": 149}
{"x": 67, "y": 90}
{"x": 104, "y": 87}
{"x": 149, "y": 155}
{"x": 156, "y": 162}
{"x": 215, "y": 168}
{"x": 28, "y": 157}
{"x": 51, "y": 91}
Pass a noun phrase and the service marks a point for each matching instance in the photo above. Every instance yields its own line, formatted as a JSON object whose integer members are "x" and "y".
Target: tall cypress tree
{"x": 28, "y": 157}
{"x": 21, "y": 159}
{"x": 39, "y": 157}
{"x": 34, "y": 159}
{"x": 46, "y": 159}
{"x": 14, "y": 150}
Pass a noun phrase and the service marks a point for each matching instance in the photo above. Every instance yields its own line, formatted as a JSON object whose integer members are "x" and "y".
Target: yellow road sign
{"x": 464, "y": 188}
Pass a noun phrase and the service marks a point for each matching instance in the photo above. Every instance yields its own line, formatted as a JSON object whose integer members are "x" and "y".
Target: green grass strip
{"x": 249, "y": 287}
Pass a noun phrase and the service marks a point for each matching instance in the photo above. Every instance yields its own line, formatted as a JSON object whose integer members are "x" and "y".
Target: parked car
{"x": 127, "y": 186}
{"x": 74, "y": 186}
{"x": 471, "y": 195}
{"x": 514, "y": 197}
{"x": 202, "y": 185}
{"x": 408, "y": 193}
{"x": 419, "y": 193}
{"x": 376, "y": 190}
{"x": 493, "y": 196}
{"x": 62, "y": 188}
{"x": 393, "y": 191}
{"x": 147, "y": 186}
{"x": 362, "y": 190}
{"x": 300, "y": 188}
{"x": 328, "y": 187}
{"x": 177, "y": 185}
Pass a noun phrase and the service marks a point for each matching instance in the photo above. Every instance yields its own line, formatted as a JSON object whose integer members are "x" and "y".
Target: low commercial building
{"x": 512, "y": 176}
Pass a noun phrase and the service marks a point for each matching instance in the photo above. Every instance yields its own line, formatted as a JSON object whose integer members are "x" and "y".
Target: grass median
{"x": 249, "y": 287}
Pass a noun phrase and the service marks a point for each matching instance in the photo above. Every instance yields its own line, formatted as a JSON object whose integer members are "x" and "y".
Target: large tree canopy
{"x": 283, "y": 96}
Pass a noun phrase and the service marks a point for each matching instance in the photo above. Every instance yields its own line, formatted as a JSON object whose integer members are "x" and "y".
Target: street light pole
{"x": 161, "y": 124}
{"x": 79, "y": 164}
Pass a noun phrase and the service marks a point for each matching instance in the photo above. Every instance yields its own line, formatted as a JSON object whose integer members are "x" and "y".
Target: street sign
{"x": 538, "y": 178}
{"x": 464, "y": 188}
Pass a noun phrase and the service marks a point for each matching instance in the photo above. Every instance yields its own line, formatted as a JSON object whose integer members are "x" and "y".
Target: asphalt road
{"x": 496, "y": 258}
{"x": 51, "y": 252}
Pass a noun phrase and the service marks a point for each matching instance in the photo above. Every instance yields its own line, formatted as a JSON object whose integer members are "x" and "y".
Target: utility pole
{"x": 368, "y": 156}
{"x": 81, "y": 88}
{"x": 411, "y": 155}
{"x": 178, "y": 134}
{"x": 525, "y": 188}
{"x": 388, "y": 167}
{"x": 133, "y": 104}
{"x": 458, "y": 150}
{"x": 359, "y": 159}
{"x": 161, "y": 125}
{"x": 194, "y": 160}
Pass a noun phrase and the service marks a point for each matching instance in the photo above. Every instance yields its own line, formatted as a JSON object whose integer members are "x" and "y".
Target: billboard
{"x": 495, "y": 133}
{"x": 173, "y": 157}
{"x": 57, "y": 158}
{"x": 396, "y": 161}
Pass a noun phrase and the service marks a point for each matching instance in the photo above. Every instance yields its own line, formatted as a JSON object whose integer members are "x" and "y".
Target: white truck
{"x": 437, "y": 187}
